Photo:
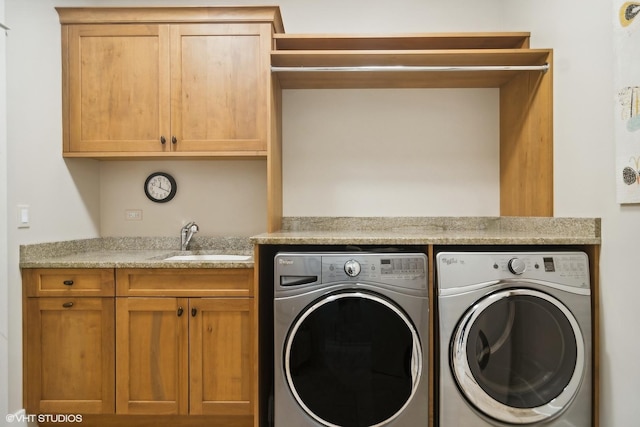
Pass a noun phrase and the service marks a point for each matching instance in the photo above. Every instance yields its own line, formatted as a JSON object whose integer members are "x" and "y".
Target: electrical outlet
{"x": 133, "y": 214}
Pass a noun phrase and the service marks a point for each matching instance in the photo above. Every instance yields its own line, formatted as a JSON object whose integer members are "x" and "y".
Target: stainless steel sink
{"x": 208, "y": 257}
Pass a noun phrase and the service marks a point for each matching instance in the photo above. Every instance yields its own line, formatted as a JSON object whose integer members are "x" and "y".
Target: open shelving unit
{"x": 441, "y": 60}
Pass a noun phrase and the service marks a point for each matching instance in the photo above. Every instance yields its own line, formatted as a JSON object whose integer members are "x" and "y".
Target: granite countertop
{"x": 134, "y": 252}
{"x": 149, "y": 252}
{"x": 434, "y": 231}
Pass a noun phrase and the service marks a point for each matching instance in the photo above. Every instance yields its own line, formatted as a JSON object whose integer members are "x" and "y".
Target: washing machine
{"x": 351, "y": 339}
{"x": 514, "y": 339}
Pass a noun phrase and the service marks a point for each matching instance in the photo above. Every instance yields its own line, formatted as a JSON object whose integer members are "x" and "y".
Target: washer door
{"x": 353, "y": 358}
{"x": 518, "y": 356}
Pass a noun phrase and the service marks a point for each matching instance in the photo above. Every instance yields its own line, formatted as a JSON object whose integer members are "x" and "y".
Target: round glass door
{"x": 353, "y": 359}
{"x": 518, "y": 356}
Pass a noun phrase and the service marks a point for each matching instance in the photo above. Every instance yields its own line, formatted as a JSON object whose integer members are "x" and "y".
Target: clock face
{"x": 160, "y": 187}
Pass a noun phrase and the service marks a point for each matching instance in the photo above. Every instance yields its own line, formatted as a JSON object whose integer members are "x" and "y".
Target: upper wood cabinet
{"x": 170, "y": 82}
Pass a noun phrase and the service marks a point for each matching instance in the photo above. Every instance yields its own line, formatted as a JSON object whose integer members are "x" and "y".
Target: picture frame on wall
{"x": 627, "y": 108}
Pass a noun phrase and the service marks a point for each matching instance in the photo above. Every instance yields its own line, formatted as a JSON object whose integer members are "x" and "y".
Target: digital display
{"x": 396, "y": 266}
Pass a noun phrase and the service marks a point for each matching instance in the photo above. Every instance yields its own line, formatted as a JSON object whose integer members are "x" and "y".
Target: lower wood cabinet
{"x": 147, "y": 348}
{"x": 69, "y": 342}
{"x": 184, "y": 356}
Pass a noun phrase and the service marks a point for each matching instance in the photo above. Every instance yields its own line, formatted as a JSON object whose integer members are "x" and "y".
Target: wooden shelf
{"x": 294, "y": 54}
{"x": 428, "y": 41}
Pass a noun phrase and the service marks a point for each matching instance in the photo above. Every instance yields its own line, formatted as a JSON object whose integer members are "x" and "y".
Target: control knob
{"x": 516, "y": 266}
{"x": 352, "y": 268}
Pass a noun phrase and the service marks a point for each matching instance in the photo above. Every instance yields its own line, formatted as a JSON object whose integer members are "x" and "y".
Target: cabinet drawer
{"x": 184, "y": 282}
{"x": 69, "y": 282}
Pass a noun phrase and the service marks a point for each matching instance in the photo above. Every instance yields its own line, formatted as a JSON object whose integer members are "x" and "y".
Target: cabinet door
{"x": 69, "y": 355}
{"x": 118, "y": 85}
{"x": 151, "y": 350}
{"x": 219, "y": 82}
{"x": 222, "y": 356}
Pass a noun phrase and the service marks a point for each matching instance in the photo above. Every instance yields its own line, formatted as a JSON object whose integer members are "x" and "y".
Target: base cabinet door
{"x": 221, "y": 356}
{"x": 185, "y": 356}
{"x": 152, "y": 351}
{"x": 69, "y": 355}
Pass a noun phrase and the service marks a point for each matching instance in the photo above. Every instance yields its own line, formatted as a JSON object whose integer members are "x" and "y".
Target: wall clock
{"x": 160, "y": 187}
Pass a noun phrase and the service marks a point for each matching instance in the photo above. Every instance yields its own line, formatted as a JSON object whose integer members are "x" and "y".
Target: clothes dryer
{"x": 351, "y": 334}
{"x": 514, "y": 339}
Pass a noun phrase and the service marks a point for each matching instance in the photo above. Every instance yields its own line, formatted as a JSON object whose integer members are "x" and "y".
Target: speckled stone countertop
{"x": 434, "y": 230}
{"x": 133, "y": 252}
{"x": 148, "y": 252}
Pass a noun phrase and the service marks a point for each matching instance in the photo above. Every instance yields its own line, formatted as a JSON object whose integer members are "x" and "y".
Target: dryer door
{"x": 353, "y": 358}
{"x": 518, "y": 356}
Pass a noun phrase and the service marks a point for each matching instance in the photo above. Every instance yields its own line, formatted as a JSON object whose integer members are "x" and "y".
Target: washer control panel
{"x": 459, "y": 269}
{"x": 405, "y": 270}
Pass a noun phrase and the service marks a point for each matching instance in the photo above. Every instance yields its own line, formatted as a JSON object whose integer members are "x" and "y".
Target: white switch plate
{"x": 133, "y": 214}
{"x": 23, "y": 216}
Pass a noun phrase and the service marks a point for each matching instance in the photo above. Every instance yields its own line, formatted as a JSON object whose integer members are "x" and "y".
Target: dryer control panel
{"x": 459, "y": 269}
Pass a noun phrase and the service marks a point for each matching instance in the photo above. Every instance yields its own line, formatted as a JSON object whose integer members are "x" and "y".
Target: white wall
{"x": 72, "y": 199}
{"x": 4, "y": 291}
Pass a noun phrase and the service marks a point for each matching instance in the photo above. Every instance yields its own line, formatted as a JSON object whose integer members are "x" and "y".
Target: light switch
{"x": 23, "y": 216}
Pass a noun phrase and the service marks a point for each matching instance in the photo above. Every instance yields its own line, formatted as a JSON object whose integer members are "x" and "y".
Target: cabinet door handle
{"x": 194, "y": 311}
{"x": 180, "y": 310}
{"x": 163, "y": 140}
{"x": 67, "y": 304}
{"x": 174, "y": 139}
{"x": 68, "y": 282}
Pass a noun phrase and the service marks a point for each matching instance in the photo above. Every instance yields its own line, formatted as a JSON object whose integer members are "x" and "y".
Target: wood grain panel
{"x": 441, "y": 41}
{"x": 67, "y": 282}
{"x": 185, "y": 282}
{"x": 222, "y": 356}
{"x": 219, "y": 97}
{"x": 70, "y": 364}
{"x": 118, "y": 87}
{"x": 152, "y": 370}
{"x": 526, "y": 145}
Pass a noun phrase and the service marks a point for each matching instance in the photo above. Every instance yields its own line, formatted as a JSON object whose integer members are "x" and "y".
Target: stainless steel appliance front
{"x": 351, "y": 339}
{"x": 514, "y": 339}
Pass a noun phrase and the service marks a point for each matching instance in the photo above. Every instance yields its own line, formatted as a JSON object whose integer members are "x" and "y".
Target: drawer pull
{"x": 180, "y": 310}
{"x": 68, "y": 282}
{"x": 67, "y": 304}
{"x": 194, "y": 311}
{"x": 174, "y": 140}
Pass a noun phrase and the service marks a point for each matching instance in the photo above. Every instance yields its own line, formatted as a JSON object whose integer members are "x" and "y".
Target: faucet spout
{"x": 186, "y": 233}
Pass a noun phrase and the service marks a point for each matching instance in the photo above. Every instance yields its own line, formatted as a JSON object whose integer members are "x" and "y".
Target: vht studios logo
{"x": 44, "y": 418}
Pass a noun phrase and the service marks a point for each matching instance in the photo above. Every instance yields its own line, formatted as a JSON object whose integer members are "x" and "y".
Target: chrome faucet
{"x": 186, "y": 233}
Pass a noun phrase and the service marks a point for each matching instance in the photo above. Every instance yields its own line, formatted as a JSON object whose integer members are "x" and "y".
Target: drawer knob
{"x": 68, "y": 282}
{"x": 67, "y": 304}
{"x": 194, "y": 311}
{"x": 180, "y": 310}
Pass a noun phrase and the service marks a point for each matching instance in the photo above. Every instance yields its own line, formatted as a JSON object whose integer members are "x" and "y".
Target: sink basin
{"x": 208, "y": 257}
